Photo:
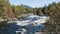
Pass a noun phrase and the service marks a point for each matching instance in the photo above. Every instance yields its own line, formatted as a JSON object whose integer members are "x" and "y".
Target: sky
{"x": 33, "y": 3}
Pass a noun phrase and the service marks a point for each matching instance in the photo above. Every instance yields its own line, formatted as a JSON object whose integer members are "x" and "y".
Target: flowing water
{"x": 28, "y": 25}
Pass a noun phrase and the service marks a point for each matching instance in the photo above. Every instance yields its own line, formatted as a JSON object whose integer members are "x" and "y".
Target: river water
{"x": 18, "y": 27}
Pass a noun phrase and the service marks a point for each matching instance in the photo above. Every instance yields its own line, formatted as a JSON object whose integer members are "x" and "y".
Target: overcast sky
{"x": 32, "y": 3}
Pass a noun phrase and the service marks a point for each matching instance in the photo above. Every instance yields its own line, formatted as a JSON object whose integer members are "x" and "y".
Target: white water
{"x": 34, "y": 19}
{"x": 32, "y": 22}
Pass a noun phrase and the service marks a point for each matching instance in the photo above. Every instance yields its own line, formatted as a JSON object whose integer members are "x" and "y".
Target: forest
{"x": 52, "y": 10}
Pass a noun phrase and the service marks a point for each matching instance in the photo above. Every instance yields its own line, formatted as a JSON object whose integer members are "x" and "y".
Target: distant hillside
{"x": 26, "y": 6}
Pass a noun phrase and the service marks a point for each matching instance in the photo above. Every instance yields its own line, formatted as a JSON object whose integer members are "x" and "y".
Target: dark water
{"x": 12, "y": 28}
